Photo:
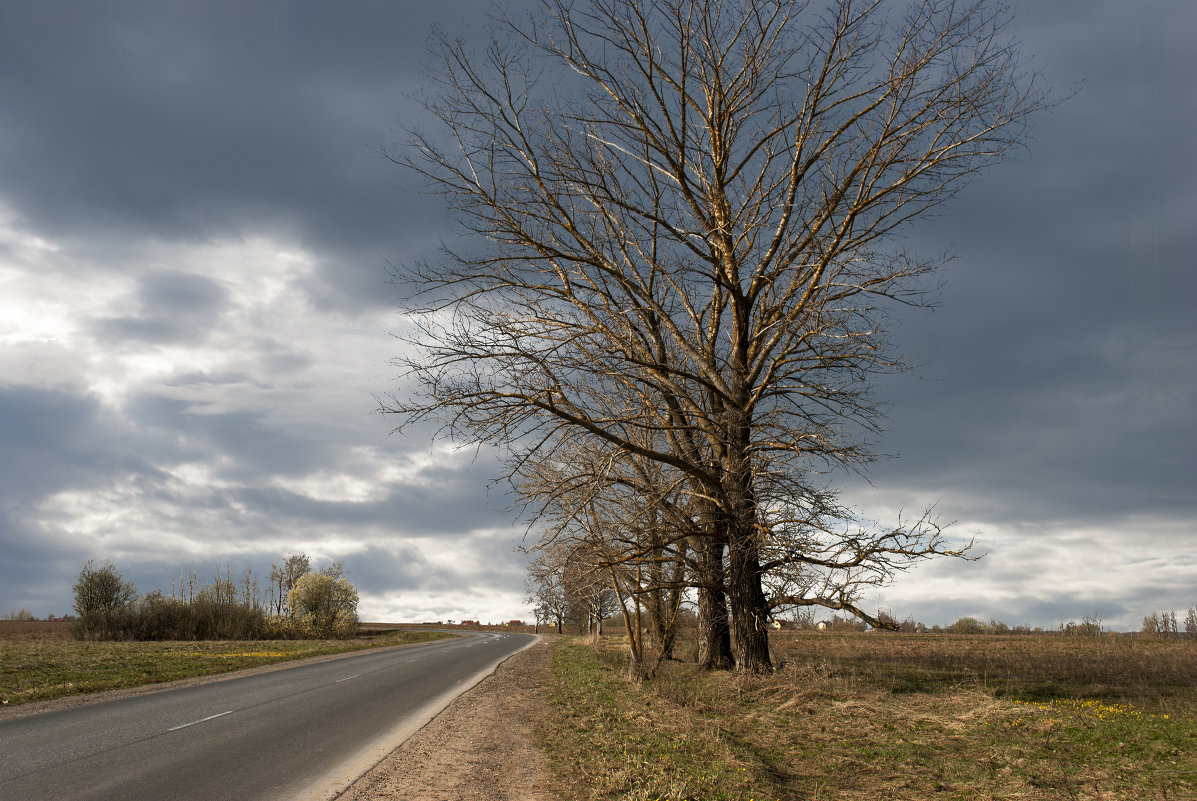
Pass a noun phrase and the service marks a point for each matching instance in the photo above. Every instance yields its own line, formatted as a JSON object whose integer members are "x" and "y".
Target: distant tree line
{"x": 1164, "y": 624}
{"x": 300, "y": 603}
{"x": 21, "y": 614}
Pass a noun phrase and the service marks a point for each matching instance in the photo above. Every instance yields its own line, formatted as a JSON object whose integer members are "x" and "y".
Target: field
{"x": 886, "y": 716}
{"x": 42, "y": 660}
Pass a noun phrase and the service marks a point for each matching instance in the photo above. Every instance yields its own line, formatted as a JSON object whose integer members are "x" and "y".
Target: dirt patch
{"x": 482, "y": 747}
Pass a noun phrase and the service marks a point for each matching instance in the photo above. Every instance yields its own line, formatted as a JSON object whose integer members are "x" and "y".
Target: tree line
{"x": 299, "y": 603}
{"x": 689, "y": 224}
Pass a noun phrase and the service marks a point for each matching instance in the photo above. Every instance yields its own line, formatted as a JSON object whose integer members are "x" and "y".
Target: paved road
{"x": 300, "y": 733}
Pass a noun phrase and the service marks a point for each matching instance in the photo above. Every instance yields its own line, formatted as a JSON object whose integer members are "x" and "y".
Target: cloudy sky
{"x": 196, "y": 317}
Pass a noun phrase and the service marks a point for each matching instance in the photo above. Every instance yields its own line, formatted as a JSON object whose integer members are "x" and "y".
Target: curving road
{"x": 304, "y": 732}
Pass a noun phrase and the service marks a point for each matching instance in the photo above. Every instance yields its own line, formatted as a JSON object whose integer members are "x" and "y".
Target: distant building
{"x": 470, "y": 623}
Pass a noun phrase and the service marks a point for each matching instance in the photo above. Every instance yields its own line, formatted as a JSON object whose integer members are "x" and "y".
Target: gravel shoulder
{"x": 482, "y": 747}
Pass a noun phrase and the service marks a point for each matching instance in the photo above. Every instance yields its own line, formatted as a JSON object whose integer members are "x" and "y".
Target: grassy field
{"x": 886, "y": 716}
{"x": 42, "y": 660}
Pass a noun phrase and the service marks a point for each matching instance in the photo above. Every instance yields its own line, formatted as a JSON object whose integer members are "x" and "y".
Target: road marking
{"x": 347, "y": 678}
{"x": 201, "y": 720}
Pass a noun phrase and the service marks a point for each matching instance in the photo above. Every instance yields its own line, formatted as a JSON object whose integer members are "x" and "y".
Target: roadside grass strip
{"x": 41, "y": 669}
{"x": 610, "y": 738}
{"x": 872, "y": 727}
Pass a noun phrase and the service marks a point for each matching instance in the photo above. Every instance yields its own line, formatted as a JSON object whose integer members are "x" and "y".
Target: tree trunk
{"x": 714, "y": 638}
{"x": 749, "y": 607}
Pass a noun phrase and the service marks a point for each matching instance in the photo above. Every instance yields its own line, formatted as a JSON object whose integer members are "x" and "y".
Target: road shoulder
{"x": 482, "y": 747}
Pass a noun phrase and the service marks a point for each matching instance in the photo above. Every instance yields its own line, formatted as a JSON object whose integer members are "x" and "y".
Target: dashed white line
{"x": 347, "y": 678}
{"x": 201, "y": 720}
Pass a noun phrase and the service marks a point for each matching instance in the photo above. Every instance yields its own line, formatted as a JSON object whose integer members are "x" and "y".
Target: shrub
{"x": 103, "y": 600}
{"x": 324, "y": 605}
{"x": 969, "y": 625}
{"x": 1162, "y": 624}
{"x": 206, "y": 617}
{"x": 1090, "y": 626}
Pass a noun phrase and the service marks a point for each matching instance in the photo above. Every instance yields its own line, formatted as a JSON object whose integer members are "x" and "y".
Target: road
{"x": 304, "y": 732}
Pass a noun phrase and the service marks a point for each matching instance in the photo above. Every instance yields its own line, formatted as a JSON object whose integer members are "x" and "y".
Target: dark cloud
{"x": 1055, "y": 379}
{"x": 1051, "y": 409}
{"x": 171, "y": 307}
{"x": 54, "y": 441}
{"x": 195, "y": 122}
{"x": 36, "y": 572}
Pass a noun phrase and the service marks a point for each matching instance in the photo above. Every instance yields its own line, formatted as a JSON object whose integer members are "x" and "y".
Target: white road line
{"x": 347, "y": 678}
{"x": 201, "y": 720}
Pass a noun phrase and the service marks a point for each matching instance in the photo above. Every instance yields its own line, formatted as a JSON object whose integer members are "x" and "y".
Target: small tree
{"x": 969, "y": 625}
{"x": 324, "y": 605}
{"x": 1161, "y": 624}
{"x": 546, "y": 586}
{"x": 101, "y": 597}
{"x": 283, "y": 578}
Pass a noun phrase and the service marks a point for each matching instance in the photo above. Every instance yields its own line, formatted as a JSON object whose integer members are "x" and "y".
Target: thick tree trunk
{"x": 714, "y": 637}
{"x": 749, "y": 608}
{"x": 748, "y": 604}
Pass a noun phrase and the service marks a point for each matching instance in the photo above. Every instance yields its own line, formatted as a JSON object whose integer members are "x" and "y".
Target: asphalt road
{"x": 300, "y": 733}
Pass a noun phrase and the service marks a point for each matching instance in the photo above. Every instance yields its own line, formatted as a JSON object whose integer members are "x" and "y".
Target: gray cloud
{"x": 195, "y": 122}
{"x": 195, "y": 225}
{"x": 171, "y": 307}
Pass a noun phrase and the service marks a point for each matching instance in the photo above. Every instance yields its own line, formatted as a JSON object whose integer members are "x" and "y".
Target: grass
{"x": 871, "y": 716}
{"x": 41, "y": 663}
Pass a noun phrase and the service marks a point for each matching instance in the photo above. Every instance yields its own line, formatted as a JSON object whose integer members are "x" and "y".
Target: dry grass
{"x": 34, "y": 630}
{"x": 1156, "y": 673}
{"x": 891, "y": 717}
{"x": 39, "y": 663}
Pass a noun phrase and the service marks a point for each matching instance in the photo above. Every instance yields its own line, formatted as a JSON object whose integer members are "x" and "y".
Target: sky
{"x": 197, "y": 315}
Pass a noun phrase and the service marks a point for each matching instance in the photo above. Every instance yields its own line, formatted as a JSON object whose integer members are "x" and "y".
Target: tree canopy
{"x": 691, "y": 216}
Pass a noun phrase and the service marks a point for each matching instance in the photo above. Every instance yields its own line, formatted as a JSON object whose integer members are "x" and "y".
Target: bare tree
{"x": 691, "y": 212}
{"x": 587, "y": 589}
{"x": 546, "y": 587}
{"x": 283, "y": 577}
{"x": 102, "y": 596}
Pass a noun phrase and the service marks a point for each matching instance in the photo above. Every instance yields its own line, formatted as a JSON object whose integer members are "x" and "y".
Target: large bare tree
{"x": 690, "y": 214}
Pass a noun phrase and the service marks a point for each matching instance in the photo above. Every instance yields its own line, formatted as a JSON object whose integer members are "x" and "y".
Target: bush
{"x": 837, "y": 623}
{"x": 969, "y": 625}
{"x": 324, "y": 605}
{"x": 108, "y": 609}
{"x": 103, "y": 600}
{"x": 1161, "y": 625}
{"x": 206, "y": 617}
{"x": 1090, "y": 626}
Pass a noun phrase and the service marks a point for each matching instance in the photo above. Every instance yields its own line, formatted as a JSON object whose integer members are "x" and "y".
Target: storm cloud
{"x": 196, "y": 313}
